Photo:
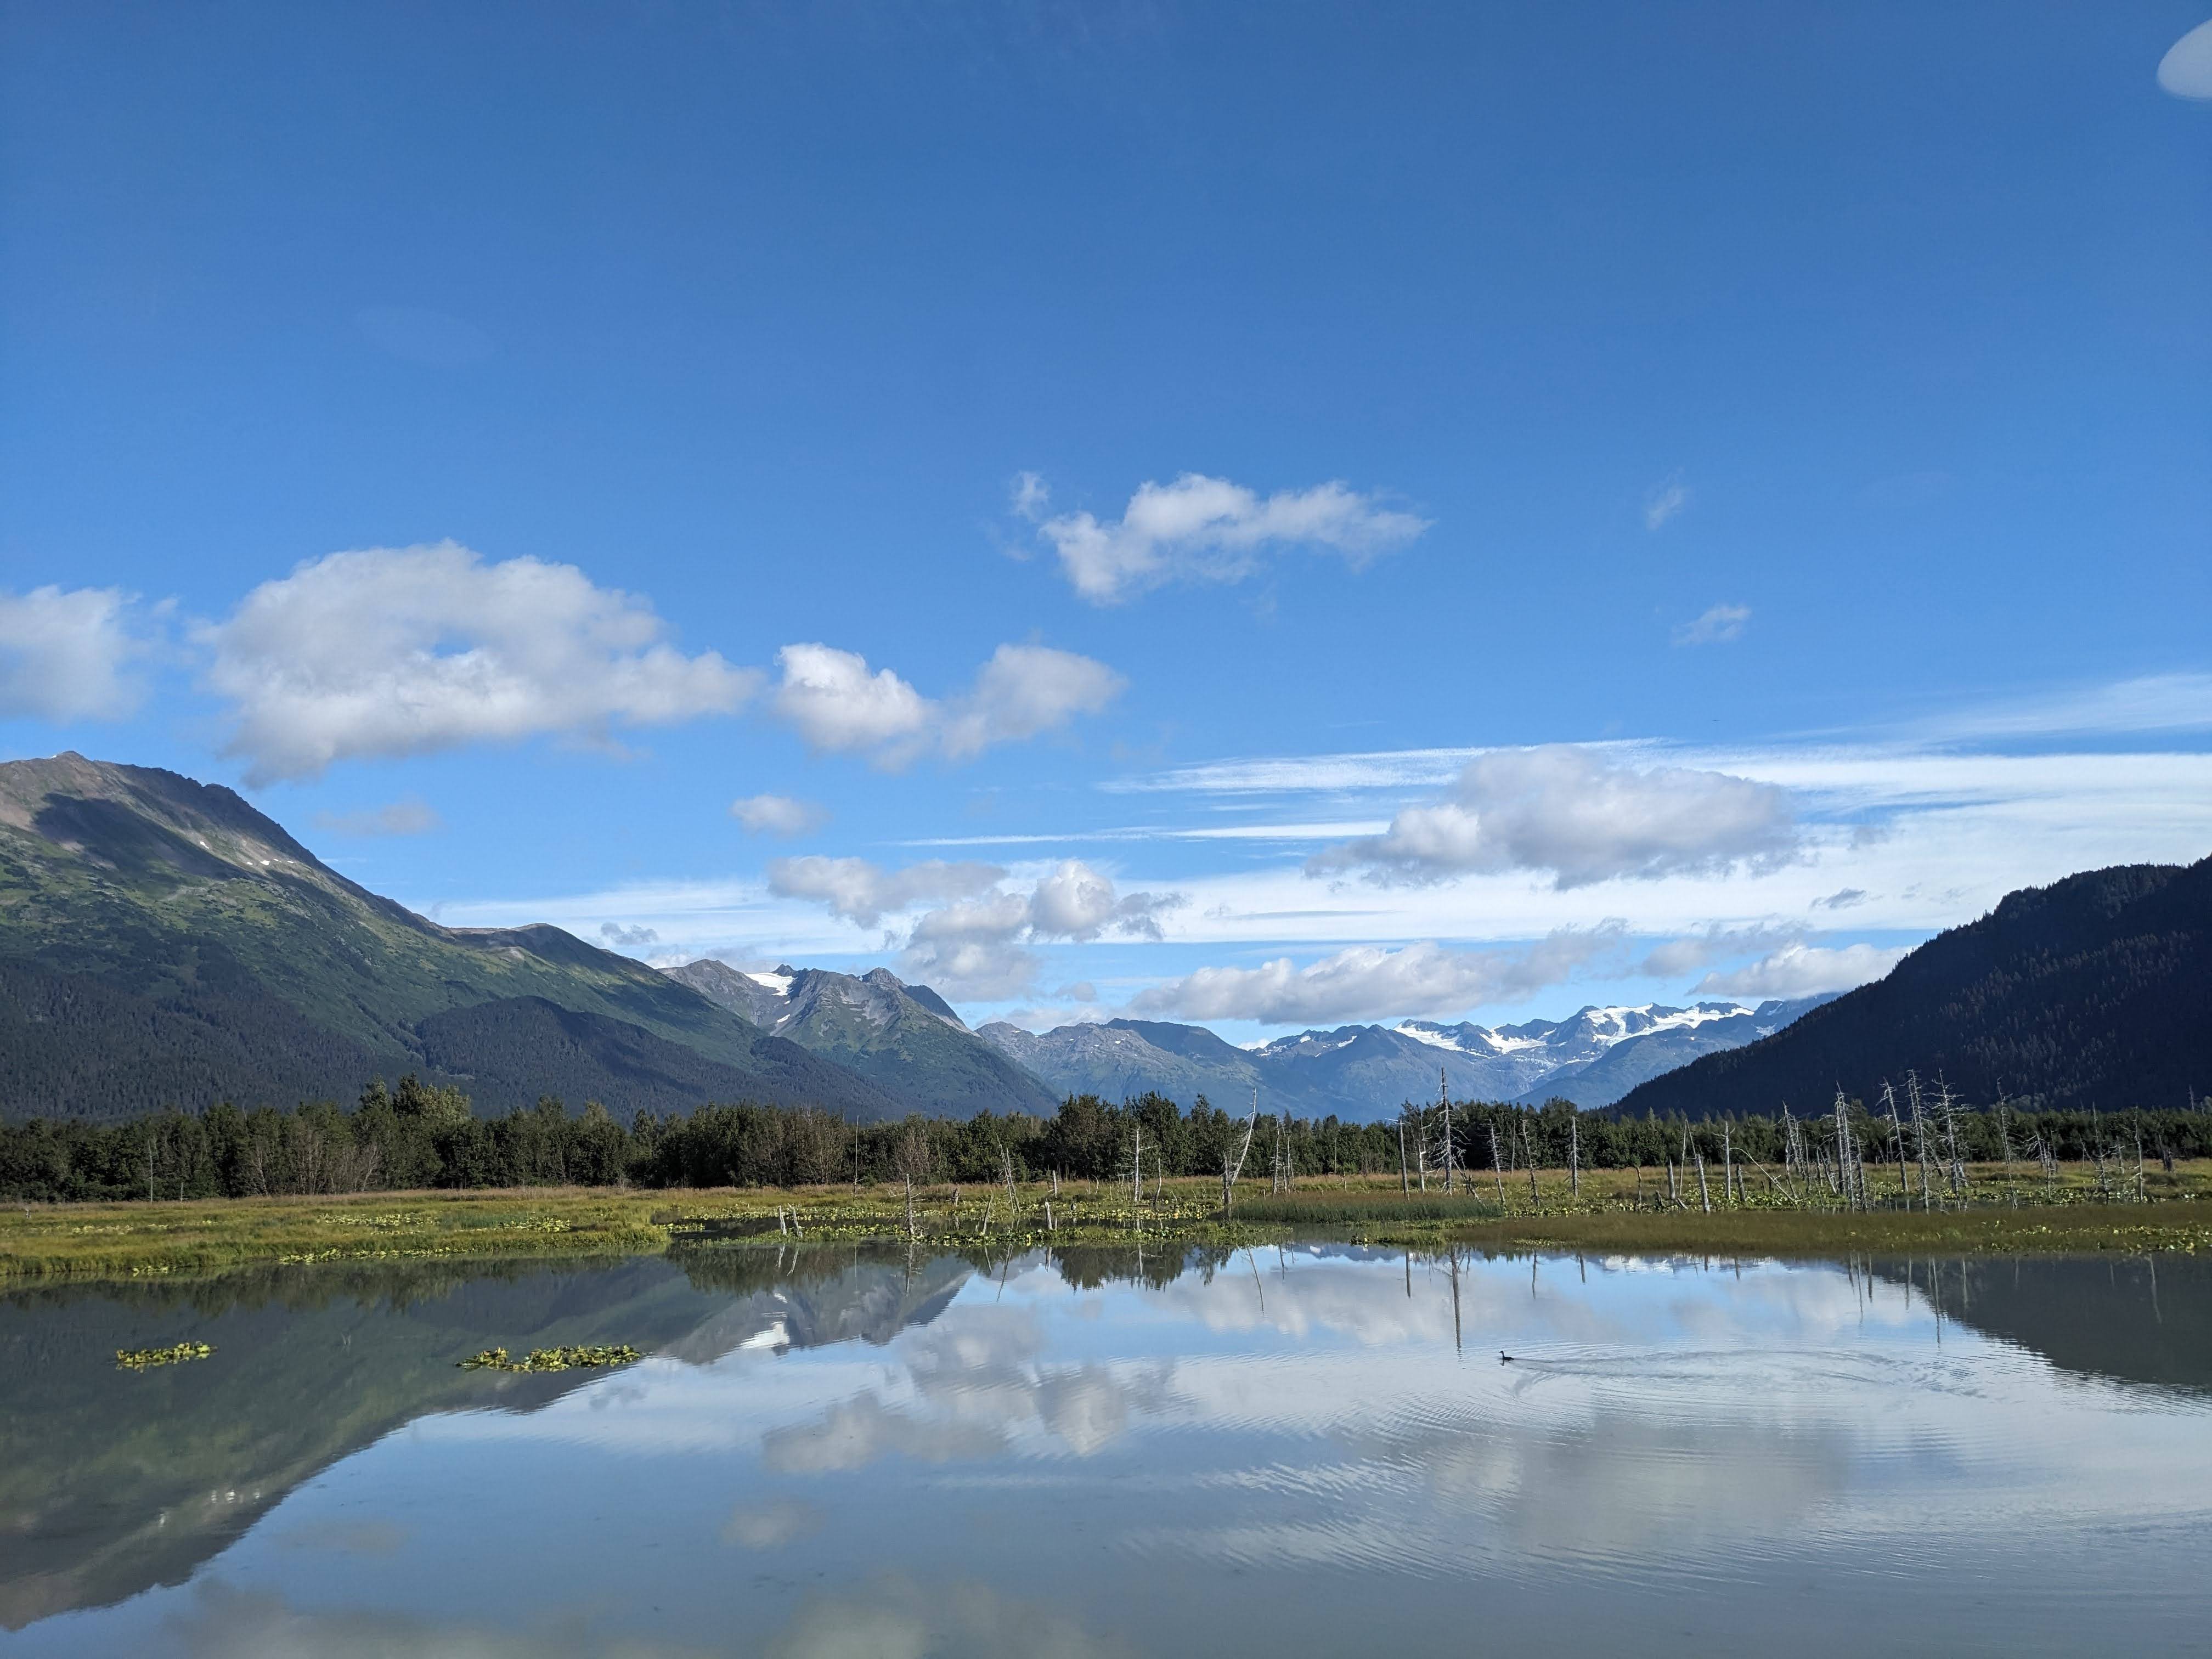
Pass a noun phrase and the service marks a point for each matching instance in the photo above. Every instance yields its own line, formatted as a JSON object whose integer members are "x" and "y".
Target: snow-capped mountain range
{"x": 908, "y": 1041}
{"x": 904, "y": 1038}
{"x": 1366, "y": 1072}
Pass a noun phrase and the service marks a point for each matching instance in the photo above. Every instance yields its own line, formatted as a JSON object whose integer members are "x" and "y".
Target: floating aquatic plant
{"x": 552, "y": 1359}
{"x": 139, "y": 1359}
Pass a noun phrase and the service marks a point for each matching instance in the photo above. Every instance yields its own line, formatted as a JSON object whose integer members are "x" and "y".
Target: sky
{"x": 1269, "y": 516}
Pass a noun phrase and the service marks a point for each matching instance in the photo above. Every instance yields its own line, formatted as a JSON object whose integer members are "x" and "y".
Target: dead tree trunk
{"x": 1228, "y": 1171}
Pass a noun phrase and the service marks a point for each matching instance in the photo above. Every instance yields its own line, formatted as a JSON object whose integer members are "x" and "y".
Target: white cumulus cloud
{"x": 1717, "y": 626}
{"x": 837, "y": 704}
{"x": 865, "y": 893}
{"x": 778, "y": 815}
{"x": 1580, "y": 815}
{"x": 1024, "y": 691}
{"x": 401, "y": 651}
{"x": 1202, "y": 529}
{"x": 1804, "y": 970}
{"x": 832, "y": 700}
{"x": 64, "y": 653}
{"x": 981, "y": 948}
{"x": 1367, "y": 982}
{"x": 974, "y": 940}
{"x": 2186, "y": 69}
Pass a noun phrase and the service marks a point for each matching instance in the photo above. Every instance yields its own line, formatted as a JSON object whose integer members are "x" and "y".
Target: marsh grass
{"x": 1355, "y": 1208}
{"x": 587, "y": 1357}
{"x": 177, "y": 1353}
{"x": 1613, "y": 1212}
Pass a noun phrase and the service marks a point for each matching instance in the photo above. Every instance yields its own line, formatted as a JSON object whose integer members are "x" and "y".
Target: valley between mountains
{"x": 163, "y": 943}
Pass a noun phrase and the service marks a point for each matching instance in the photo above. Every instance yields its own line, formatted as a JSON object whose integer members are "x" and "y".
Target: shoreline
{"x": 134, "y": 1242}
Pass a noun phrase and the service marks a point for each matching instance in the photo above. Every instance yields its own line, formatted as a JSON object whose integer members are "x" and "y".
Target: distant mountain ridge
{"x": 162, "y": 943}
{"x": 1366, "y": 1072}
{"x": 905, "y": 1038}
{"x": 2094, "y": 991}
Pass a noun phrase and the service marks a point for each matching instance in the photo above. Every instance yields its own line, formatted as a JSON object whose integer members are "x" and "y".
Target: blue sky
{"x": 1433, "y": 511}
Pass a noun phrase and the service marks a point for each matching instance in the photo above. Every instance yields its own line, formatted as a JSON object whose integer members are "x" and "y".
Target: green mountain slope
{"x": 162, "y": 941}
{"x": 905, "y": 1038}
{"x": 2094, "y": 991}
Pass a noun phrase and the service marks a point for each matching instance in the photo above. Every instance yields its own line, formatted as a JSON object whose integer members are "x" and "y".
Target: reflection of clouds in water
{"x": 893, "y": 1618}
{"x": 771, "y": 1525}
{"x": 856, "y": 1432}
{"x": 223, "y": 1623}
{"x": 1361, "y": 1301}
{"x": 1627, "y": 1485}
{"x": 898, "y": 1618}
{"x": 977, "y": 1382}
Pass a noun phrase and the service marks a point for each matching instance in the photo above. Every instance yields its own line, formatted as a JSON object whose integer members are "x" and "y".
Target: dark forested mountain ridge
{"x": 904, "y": 1038}
{"x": 163, "y": 943}
{"x": 2094, "y": 991}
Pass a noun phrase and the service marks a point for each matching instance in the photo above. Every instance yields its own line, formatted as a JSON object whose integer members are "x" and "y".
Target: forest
{"x": 418, "y": 1135}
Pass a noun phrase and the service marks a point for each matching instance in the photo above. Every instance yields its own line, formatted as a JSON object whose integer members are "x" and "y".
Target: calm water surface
{"x": 1310, "y": 1451}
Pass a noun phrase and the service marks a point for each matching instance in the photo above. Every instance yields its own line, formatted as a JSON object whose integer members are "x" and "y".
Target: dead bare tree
{"x": 1230, "y": 1172}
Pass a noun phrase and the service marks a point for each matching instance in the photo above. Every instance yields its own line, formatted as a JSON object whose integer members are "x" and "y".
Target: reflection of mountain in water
{"x": 811, "y": 1299}
{"x": 2134, "y": 1319}
{"x": 113, "y": 1481}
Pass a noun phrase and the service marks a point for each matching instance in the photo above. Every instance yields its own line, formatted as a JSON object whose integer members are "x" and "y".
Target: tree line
{"x": 417, "y": 1135}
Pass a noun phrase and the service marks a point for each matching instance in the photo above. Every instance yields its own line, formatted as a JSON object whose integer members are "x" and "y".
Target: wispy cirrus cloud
{"x": 1205, "y": 529}
{"x": 1719, "y": 625}
{"x": 1665, "y": 503}
{"x": 778, "y": 815}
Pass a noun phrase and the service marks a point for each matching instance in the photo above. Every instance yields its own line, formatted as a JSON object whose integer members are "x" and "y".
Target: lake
{"x": 1312, "y": 1450}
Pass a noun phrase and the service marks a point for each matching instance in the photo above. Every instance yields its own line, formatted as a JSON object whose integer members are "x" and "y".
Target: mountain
{"x": 1364, "y": 1073}
{"x": 1598, "y": 1055}
{"x": 1125, "y": 1057}
{"x": 905, "y": 1038}
{"x": 163, "y": 943}
{"x": 2091, "y": 992}
{"x": 1710, "y": 1028}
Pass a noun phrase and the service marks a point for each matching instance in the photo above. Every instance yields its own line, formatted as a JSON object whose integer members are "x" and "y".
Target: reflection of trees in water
{"x": 2133, "y": 1319}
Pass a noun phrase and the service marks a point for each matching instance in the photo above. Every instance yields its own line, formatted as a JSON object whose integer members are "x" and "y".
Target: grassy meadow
{"x": 1613, "y": 1211}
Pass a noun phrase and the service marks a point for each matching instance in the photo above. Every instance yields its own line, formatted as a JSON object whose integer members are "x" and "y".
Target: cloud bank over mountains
{"x": 970, "y": 934}
{"x": 1369, "y": 982}
{"x": 1342, "y": 887}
